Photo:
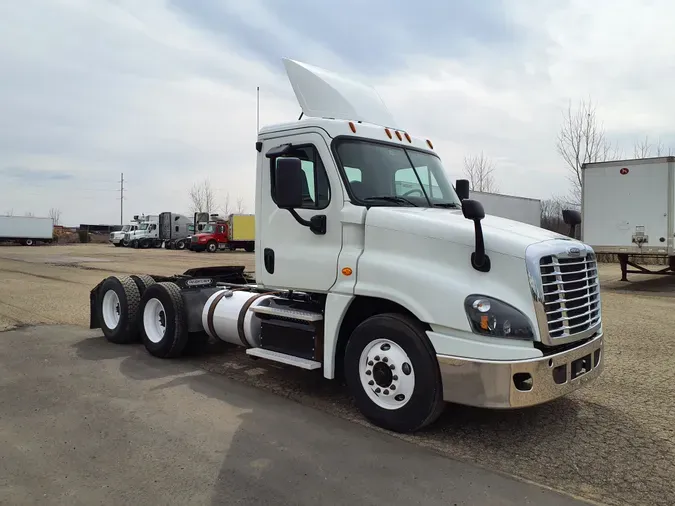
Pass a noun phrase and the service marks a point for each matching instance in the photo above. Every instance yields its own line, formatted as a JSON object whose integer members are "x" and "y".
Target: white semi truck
{"x": 27, "y": 230}
{"x": 628, "y": 209}
{"x": 414, "y": 299}
{"x": 118, "y": 238}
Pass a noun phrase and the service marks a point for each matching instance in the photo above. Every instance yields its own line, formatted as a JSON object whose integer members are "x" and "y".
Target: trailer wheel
{"x": 392, "y": 372}
{"x": 28, "y": 242}
{"x": 119, "y": 309}
{"x": 212, "y": 246}
{"x": 164, "y": 323}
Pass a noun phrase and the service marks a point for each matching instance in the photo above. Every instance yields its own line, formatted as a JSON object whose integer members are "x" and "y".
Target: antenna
{"x": 257, "y": 109}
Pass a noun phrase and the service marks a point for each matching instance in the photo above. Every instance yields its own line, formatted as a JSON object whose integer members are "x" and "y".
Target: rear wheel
{"x": 28, "y": 242}
{"x": 117, "y": 244}
{"x": 118, "y": 309}
{"x": 212, "y": 247}
{"x": 164, "y": 323}
{"x": 392, "y": 372}
{"x": 249, "y": 248}
{"x": 145, "y": 243}
{"x": 143, "y": 282}
{"x": 180, "y": 245}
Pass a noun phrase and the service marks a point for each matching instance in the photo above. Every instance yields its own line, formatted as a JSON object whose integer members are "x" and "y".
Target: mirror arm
{"x": 479, "y": 259}
{"x": 317, "y": 223}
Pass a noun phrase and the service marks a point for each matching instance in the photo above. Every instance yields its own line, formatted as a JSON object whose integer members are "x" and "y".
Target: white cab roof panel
{"x": 324, "y": 94}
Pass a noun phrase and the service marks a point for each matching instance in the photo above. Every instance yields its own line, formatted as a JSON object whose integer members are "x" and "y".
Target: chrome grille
{"x": 571, "y": 292}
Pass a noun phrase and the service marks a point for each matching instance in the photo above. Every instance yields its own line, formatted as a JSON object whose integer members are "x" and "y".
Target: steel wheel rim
{"x": 154, "y": 321}
{"x": 111, "y": 309}
{"x": 386, "y": 373}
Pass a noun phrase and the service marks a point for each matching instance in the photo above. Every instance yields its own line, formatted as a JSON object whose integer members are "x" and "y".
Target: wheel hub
{"x": 386, "y": 374}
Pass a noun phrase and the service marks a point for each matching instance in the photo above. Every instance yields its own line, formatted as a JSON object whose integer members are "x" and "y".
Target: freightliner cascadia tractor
{"x": 372, "y": 268}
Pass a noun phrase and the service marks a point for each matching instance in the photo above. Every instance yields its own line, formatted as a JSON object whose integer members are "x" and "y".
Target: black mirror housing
{"x": 288, "y": 183}
{"x": 472, "y": 210}
{"x": 571, "y": 217}
{"x": 462, "y": 188}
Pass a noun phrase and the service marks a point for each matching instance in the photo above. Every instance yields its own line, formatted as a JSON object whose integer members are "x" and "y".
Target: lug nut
{"x": 385, "y": 360}
{"x": 369, "y": 372}
{"x": 377, "y": 390}
{"x": 392, "y": 367}
{"x": 371, "y": 382}
{"x": 392, "y": 387}
{"x": 395, "y": 377}
{"x": 377, "y": 357}
{"x": 386, "y": 392}
{"x": 370, "y": 362}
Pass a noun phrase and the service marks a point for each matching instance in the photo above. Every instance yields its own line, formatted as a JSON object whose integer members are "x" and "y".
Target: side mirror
{"x": 462, "y": 188}
{"x": 572, "y": 218}
{"x": 288, "y": 180}
{"x": 473, "y": 210}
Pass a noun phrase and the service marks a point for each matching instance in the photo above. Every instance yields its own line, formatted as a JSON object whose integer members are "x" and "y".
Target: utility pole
{"x": 122, "y": 198}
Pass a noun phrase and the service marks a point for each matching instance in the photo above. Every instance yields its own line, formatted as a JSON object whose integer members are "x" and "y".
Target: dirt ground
{"x": 613, "y": 442}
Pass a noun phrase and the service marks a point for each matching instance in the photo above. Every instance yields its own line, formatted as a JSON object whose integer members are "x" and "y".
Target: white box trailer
{"x": 628, "y": 209}
{"x": 525, "y": 210}
{"x": 26, "y": 229}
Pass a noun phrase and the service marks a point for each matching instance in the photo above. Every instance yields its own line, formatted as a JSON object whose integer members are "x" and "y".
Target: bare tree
{"x": 644, "y": 149}
{"x": 55, "y": 215}
{"x": 240, "y": 207}
{"x": 226, "y": 205}
{"x": 479, "y": 170}
{"x": 202, "y": 198}
{"x": 582, "y": 140}
{"x": 9, "y": 212}
{"x": 29, "y": 214}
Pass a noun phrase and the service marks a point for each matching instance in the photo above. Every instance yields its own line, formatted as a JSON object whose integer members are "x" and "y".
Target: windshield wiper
{"x": 451, "y": 205}
{"x": 392, "y": 198}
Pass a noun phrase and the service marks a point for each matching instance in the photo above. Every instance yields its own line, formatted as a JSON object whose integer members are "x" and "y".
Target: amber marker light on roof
{"x": 398, "y": 134}
{"x": 407, "y": 136}
{"x": 352, "y": 126}
{"x": 430, "y": 144}
{"x": 388, "y": 132}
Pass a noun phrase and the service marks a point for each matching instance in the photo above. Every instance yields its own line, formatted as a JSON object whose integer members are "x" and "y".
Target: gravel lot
{"x": 613, "y": 443}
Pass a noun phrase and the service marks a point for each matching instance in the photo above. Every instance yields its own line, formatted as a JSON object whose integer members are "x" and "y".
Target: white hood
{"x": 501, "y": 235}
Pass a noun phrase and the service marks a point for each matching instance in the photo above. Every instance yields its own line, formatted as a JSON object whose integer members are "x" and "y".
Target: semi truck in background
{"x": 414, "y": 298}
{"x": 628, "y": 210}
{"x": 237, "y": 231}
{"x": 118, "y": 238}
{"x": 26, "y": 230}
{"x": 174, "y": 230}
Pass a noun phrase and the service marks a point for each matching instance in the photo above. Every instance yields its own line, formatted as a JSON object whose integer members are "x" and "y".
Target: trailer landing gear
{"x": 625, "y": 262}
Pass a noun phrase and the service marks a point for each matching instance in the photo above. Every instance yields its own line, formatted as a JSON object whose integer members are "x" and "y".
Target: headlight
{"x": 491, "y": 317}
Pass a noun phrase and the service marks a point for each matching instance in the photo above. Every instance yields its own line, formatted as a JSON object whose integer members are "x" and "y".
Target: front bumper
{"x": 504, "y": 384}
{"x": 195, "y": 246}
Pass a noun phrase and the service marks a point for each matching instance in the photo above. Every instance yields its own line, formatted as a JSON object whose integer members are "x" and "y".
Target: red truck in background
{"x": 237, "y": 231}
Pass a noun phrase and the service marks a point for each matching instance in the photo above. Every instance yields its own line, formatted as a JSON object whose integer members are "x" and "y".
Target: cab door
{"x": 290, "y": 255}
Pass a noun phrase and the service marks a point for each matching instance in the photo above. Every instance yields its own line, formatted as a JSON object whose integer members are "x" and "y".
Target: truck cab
{"x": 147, "y": 233}
{"x": 373, "y": 267}
{"x": 212, "y": 237}
{"x": 118, "y": 239}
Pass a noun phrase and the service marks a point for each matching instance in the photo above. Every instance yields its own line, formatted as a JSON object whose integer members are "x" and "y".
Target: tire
{"x": 28, "y": 242}
{"x": 169, "y": 245}
{"x": 212, "y": 246}
{"x": 134, "y": 244}
{"x": 143, "y": 282}
{"x": 421, "y": 388}
{"x": 124, "y": 301}
{"x": 249, "y": 248}
{"x": 125, "y": 243}
{"x": 144, "y": 243}
{"x": 180, "y": 245}
{"x": 163, "y": 320}
{"x": 117, "y": 244}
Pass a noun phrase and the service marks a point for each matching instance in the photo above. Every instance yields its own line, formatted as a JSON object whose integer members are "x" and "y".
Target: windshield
{"x": 143, "y": 226}
{"x": 125, "y": 228}
{"x": 209, "y": 229}
{"x": 381, "y": 174}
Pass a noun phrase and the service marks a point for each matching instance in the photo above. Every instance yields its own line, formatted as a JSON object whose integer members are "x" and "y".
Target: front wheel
{"x": 28, "y": 242}
{"x": 392, "y": 373}
{"x": 180, "y": 245}
{"x": 212, "y": 247}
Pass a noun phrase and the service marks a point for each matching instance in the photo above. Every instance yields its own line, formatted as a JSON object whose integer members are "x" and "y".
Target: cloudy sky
{"x": 164, "y": 90}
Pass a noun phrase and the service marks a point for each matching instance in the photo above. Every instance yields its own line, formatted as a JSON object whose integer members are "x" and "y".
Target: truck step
{"x": 295, "y": 314}
{"x": 275, "y": 356}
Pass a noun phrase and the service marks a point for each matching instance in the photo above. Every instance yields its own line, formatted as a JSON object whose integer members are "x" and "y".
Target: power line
{"x": 122, "y": 198}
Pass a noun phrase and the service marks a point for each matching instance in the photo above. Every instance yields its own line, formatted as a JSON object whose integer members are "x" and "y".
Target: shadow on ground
{"x": 583, "y": 448}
